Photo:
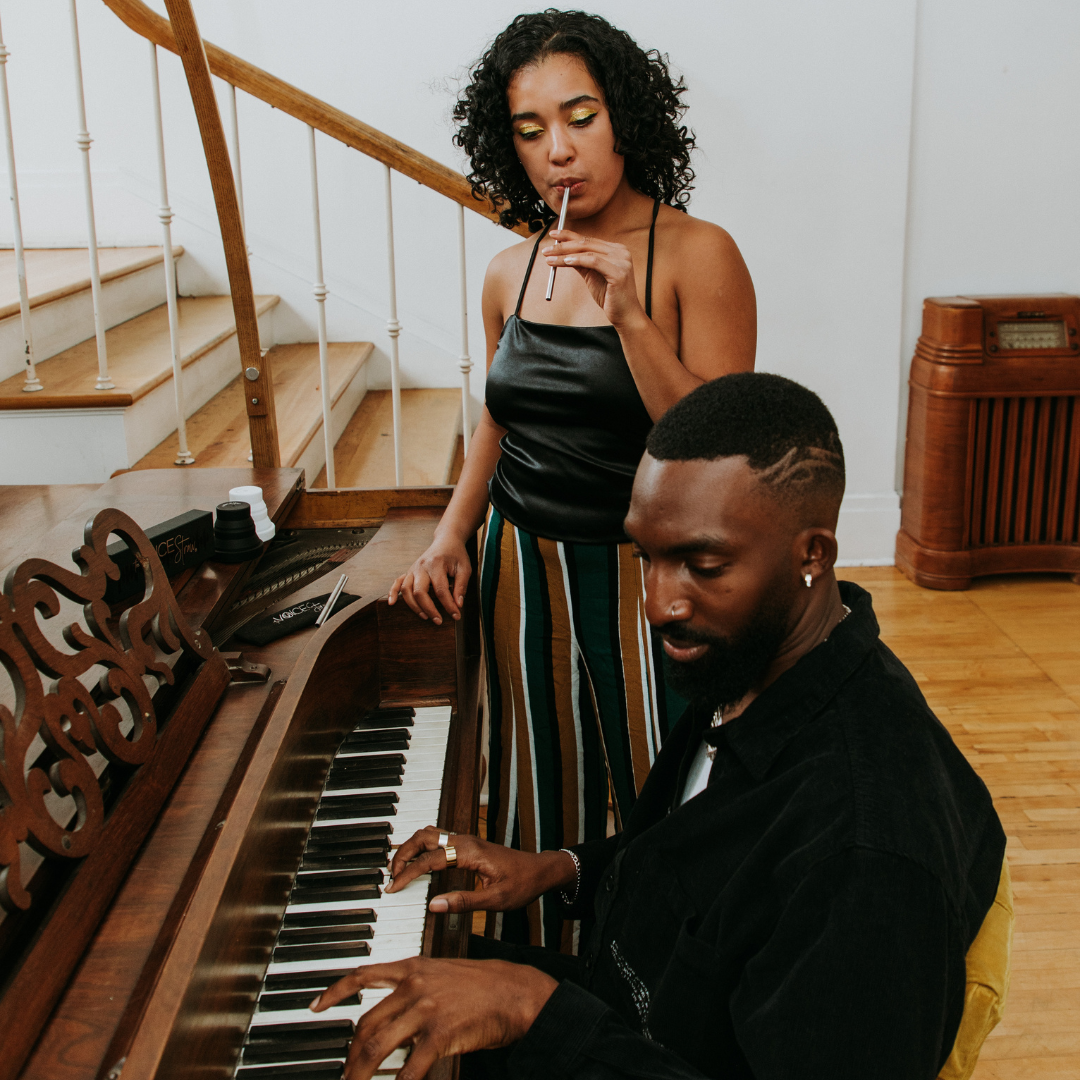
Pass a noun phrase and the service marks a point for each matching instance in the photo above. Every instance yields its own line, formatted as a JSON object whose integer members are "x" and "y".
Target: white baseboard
{"x": 867, "y": 529}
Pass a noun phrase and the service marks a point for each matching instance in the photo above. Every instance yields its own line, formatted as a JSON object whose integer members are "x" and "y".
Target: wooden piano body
{"x": 167, "y": 980}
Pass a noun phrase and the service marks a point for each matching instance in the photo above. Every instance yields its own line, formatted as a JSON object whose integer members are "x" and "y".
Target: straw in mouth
{"x": 562, "y": 222}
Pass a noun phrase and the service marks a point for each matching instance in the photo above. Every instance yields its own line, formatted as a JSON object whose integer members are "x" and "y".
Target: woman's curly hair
{"x": 643, "y": 100}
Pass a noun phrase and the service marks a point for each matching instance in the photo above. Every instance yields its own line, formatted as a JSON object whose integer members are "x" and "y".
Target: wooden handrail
{"x": 309, "y": 109}
{"x": 259, "y": 391}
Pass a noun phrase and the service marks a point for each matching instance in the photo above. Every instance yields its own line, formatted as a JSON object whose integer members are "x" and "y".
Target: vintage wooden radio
{"x": 992, "y": 467}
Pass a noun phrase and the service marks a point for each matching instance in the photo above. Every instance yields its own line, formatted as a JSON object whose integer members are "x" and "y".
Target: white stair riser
{"x": 64, "y": 322}
{"x": 61, "y": 446}
{"x": 86, "y": 446}
{"x": 313, "y": 457}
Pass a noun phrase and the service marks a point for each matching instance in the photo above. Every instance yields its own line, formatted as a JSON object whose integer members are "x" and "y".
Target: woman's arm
{"x": 717, "y": 312}
{"x": 447, "y": 557}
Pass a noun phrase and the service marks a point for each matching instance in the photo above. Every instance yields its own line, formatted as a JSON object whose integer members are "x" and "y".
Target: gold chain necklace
{"x": 718, "y": 712}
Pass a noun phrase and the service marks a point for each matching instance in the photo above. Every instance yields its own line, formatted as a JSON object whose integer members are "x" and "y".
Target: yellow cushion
{"x": 987, "y": 983}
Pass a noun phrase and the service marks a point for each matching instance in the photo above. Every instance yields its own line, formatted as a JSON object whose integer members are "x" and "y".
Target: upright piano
{"x": 193, "y": 842}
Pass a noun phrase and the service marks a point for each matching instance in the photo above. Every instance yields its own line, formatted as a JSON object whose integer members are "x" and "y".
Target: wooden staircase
{"x": 72, "y": 433}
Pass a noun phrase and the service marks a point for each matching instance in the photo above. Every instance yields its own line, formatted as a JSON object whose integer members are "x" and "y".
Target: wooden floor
{"x": 1000, "y": 665}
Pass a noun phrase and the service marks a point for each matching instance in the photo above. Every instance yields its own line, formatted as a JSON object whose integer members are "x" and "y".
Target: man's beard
{"x": 732, "y": 665}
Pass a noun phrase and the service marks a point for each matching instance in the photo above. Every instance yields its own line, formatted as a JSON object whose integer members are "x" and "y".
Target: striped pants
{"x": 577, "y": 701}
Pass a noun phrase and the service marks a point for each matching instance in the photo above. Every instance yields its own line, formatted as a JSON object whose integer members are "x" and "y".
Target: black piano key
{"x": 355, "y": 917}
{"x": 299, "y": 954}
{"x": 382, "y": 803}
{"x": 311, "y": 1041}
{"x": 364, "y": 772}
{"x": 297, "y": 1000}
{"x": 341, "y": 877}
{"x": 366, "y": 780}
{"x": 389, "y": 739}
{"x": 341, "y": 894}
{"x": 316, "y": 981}
{"x": 376, "y": 735}
{"x": 323, "y": 1050}
{"x": 304, "y": 1029}
{"x": 364, "y": 760}
{"x": 310, "y": 1070}
{"x": 340, "y": 845}
{"x": 369, "y": 763}
{"x": 339, "y": 931}
{"x": 341, "y": 810}
{"x": 336, "y": 834}
{"x": 364, "y": 857}
{"x": 384, "y": 718}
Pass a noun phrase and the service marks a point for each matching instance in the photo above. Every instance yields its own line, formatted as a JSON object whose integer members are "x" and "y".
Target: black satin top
{"x": 575, "y": 424}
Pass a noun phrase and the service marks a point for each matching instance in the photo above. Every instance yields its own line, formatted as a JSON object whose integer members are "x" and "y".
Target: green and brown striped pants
{"x": 577, "y": 701}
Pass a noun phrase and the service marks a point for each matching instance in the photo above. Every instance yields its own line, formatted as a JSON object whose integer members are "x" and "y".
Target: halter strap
{"x": 648, "y": 268}
{"x": 528, "y": 269}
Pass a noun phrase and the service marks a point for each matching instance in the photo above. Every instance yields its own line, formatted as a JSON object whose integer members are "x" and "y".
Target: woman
{"x": 648, "y": 304}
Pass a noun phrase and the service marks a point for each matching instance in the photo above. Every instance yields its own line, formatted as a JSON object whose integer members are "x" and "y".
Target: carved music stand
{"x": 96, "y": 736}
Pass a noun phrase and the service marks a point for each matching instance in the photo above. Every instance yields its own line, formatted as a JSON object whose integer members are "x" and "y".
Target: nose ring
{"x": 673, "y": 611}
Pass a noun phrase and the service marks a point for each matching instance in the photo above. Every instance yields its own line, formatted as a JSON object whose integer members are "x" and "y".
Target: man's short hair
{"x": 783, "y": 429}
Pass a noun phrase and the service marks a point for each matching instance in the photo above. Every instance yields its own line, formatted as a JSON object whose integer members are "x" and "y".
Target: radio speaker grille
{"x": 1023, "y": 477}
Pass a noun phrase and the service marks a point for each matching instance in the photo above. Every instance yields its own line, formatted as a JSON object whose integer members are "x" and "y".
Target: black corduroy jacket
{"x": 808, "y": 914}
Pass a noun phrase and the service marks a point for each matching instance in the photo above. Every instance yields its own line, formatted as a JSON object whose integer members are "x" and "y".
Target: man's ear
{"x": 818, "y": 549}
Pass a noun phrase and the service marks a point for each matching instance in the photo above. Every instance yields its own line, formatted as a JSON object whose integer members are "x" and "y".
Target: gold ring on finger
{"x": 451, "y": 857}
{"x": 444, "y": 839}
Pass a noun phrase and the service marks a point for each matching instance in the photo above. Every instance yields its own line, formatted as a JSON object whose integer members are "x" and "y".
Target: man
{"x": 797, "y": 888}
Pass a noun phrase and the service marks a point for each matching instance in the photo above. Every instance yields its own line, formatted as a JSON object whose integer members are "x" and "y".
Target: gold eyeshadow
{"x": 582, "y": 113}
{"x": 528, "y": 131}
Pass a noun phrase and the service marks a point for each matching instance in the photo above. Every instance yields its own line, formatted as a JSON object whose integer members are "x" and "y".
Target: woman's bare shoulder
{"x": 504, "y": 274}
{"x": 696, "y": 237}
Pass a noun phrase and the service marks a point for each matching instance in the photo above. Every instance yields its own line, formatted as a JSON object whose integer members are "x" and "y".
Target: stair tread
{"x": 218, "y": 432}
{"x": 140, "y": 357}
{"x": 52, "y": 273}
{"x": 430, "y": 424}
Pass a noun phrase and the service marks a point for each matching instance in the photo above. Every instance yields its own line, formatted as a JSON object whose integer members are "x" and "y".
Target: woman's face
{"x": 563, "y": 135}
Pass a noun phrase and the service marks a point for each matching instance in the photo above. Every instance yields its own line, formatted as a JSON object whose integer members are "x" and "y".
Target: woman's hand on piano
{"x": 509, "y": 879}
{"x": 440, "y": 1008}
{"x": 446, "y": 558}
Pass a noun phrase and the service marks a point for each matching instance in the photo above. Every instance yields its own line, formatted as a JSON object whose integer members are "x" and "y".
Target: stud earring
{"x": 808, "y": 579}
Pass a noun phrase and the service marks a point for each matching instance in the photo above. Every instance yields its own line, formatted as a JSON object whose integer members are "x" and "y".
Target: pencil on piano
{"x": 329, "y": 605}
{"x": 562, "y": 222}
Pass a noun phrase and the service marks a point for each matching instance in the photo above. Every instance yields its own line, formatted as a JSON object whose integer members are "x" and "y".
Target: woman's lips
{"x": 575, "y": 188}
{"x": 683, "y": 651}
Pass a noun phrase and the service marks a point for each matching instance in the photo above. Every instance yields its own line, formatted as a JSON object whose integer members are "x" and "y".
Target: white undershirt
{"x": 697, "y": 779}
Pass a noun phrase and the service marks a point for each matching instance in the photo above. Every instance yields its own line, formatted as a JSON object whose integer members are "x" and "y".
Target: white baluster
{"x": 236, "y": 158}
{"x": 319, "y": 289}
{"x": 393, "y": 328}
{"x": 464, "y": 361}
{"x": 165, "y": 216}
{"x": 83, "y": 140}
{"x": 32, "y": 381}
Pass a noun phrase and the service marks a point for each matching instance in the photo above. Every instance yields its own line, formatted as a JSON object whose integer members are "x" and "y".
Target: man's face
{"x": 721, "y": 572}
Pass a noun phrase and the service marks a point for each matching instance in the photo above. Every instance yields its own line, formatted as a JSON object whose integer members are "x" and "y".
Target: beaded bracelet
{"x": 569, "y": 900}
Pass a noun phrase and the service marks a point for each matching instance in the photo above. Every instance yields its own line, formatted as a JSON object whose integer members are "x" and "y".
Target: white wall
{"x": 862, "y": 155}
